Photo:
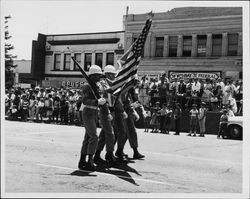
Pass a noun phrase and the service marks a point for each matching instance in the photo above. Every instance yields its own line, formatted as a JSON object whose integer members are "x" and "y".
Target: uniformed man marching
{"x": 89, "y": 116}
{"x": 106, "y": 136}
{"x": 118, "y": 114}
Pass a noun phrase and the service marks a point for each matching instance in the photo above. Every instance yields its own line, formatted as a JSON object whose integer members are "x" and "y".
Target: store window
{"x": 216, "y": 45}
{"x": 232, "y": 44}
{"x": 98, "y": 59}
{"x": 67, "y": 61}
{"x": 201, "y": 45}
{"x": 187, "y": 46}
{"x": 159, "y": 46}
{"x": 57, "y": 61}
{"x": 173, "y": 41}
{"x": 87, "y": 61}
{"x": 77, "y": 57}
{"x": 110, "y": 59}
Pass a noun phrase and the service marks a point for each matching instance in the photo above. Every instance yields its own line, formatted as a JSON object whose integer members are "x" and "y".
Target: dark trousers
{"x": 131, "y": 130}
{"x": 177, "y": 125}
{"x": 222, "y": 130}
{"x": 162, "y": 123}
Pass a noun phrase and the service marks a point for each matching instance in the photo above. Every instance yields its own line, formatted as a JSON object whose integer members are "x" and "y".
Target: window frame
{"x": 159, "y": 46}
{"x": 55, "y": 61}
{"x": 66, "y": 61}
{"x": 214, "y": 45}
{"x": 86, "y": 68}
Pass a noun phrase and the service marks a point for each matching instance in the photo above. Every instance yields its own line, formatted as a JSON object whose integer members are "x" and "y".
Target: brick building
{"x": 191, "y": 42}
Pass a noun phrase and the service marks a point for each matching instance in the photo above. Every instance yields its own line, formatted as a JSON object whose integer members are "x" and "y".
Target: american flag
{"x": 129, "y": 62}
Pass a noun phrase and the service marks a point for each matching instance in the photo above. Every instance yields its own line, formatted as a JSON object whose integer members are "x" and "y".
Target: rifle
{"x": 91, "y": 83}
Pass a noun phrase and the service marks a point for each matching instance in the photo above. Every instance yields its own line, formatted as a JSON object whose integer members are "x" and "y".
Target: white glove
{"x": 137, "y": 117}
{"x": 101, "y": 101}
{"x": 110, "y": 117}
{"x": 124, "y": 115}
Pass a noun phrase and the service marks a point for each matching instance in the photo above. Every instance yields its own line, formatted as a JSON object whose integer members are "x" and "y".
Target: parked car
{"x": 235, "y": 127}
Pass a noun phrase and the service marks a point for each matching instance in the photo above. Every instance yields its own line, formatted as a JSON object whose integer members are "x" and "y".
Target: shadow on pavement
{"x": 122, "y": 174}
{"x": 82, "y": 173}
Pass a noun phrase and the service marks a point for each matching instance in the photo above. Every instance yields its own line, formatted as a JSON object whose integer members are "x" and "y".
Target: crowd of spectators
{"x": 215, "y": 93}
{"x": 63, "y": 105}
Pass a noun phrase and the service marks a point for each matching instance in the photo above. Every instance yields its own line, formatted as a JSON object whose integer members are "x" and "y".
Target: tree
{"x": 9, "y": 63}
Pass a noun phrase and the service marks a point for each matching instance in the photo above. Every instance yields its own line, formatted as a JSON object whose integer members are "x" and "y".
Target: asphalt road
{"x": 43, "y": 158}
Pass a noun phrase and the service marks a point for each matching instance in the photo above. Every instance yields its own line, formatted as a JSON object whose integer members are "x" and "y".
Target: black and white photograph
{"x": 125, "y": 99}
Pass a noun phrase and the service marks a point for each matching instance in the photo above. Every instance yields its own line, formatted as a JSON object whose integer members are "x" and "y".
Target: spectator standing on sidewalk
{"x": 202, "y": 119}
{"x": 223, "y": 124}
{"x": 193, "y": 120}
{"x": 177, "y": 117}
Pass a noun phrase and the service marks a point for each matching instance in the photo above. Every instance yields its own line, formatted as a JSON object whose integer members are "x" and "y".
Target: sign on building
{"x": 214, "y": 75}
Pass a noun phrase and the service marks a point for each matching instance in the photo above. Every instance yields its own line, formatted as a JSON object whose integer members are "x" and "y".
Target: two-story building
{"x": 51, "y": 56}
{"x": 203, "y": 42}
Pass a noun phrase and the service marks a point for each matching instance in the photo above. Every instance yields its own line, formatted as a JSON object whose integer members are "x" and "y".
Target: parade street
{"x": 43, "y": 158}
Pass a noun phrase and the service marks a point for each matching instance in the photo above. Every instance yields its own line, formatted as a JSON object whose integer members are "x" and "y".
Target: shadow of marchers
{"x": 125, "y": 167}
{"x": 82, "y": 173}
{"x": 124, "y": 175}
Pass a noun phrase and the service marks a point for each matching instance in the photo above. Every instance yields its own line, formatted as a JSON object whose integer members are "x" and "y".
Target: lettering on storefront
{"x": 72, "y": 84}
{"x": 199, "y": 75}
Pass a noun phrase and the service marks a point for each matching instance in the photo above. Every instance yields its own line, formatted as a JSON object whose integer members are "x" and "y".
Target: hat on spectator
{"x": 194, "y": 105}
{"x": 203, "y": 103}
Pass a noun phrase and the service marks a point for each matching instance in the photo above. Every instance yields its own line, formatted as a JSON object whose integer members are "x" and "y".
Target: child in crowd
{"x": 202, "y": 119}
{"x": 193, "y": 120}
{"x": 162, "y": 118}
{"x": 169, "y": 112}
{"x": 147, "y": 117}
{"x": 154, "y": 122}
{"x": 223, "y": 124}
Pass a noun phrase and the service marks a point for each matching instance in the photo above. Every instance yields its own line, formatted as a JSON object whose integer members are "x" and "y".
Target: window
{"x": 98, "y": 59}
{"x": 173, "y": 40}
{"x": 159, "y": 46}
{"x": 187, "y": 46}
{"x": 110, "y": 59}
{"x": 201, "y": 45}
{"x": 57, "y": 61}
{"x": 67, "y": 61}
{"x": 87, "y": 61}
{"x": 216, "y": 45}
{"x": 77, "y": 57}
{"x": 142, "y": 53}
{"x": 232, "y": 44}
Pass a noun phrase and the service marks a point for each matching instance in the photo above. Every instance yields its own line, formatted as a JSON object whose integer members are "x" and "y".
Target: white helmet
{"x": 94, "y": 69}
{"x": 109, "y": 69}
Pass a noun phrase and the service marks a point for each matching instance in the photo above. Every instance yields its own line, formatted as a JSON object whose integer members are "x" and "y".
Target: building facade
{"x": 203, "y": 42}
{"x": 51, "y": 56}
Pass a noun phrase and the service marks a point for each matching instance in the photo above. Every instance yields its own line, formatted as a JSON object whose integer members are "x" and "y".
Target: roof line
{"x": 85, "y": 33}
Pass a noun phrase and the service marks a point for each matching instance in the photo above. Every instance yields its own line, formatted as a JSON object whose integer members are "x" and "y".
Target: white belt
{"x": 91, "y": 107}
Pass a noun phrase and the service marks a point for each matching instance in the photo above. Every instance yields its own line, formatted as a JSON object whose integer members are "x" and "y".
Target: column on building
{"x": 152, "y": 45}
{"x": 147, "y": 45}
{"x": 239, "y": 44}
{"x": 53, "y": 62}
{"x": 166, "y": 46}
{"x": 104, "y": 58}
{"x": 194, "y": 45}
{"x": 62, "y": 61}
{"x": 224, "y": 44}
{"x": 209, "y": 45}
{"x": 180, "y": 46}
{"x": 93, "y": 58}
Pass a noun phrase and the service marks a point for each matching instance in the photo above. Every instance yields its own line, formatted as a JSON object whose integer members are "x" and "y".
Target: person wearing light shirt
{"x": 196, "y": 86}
